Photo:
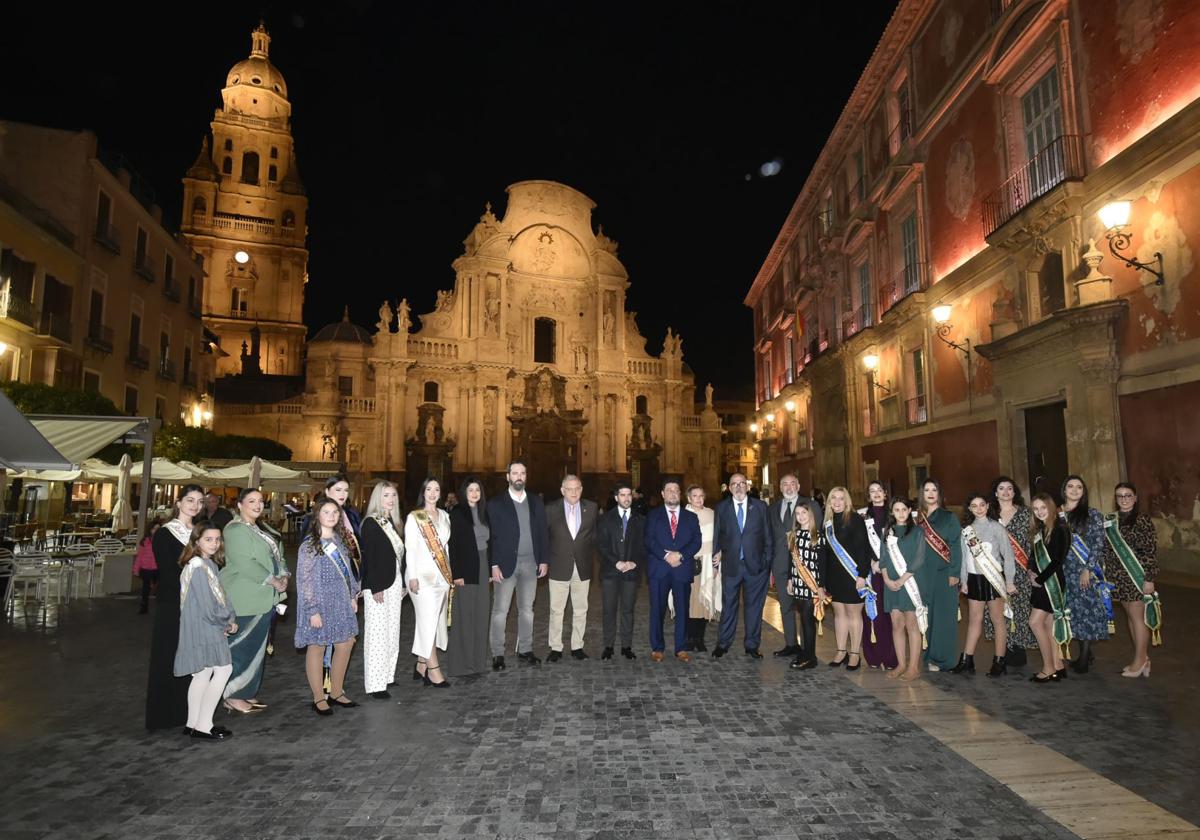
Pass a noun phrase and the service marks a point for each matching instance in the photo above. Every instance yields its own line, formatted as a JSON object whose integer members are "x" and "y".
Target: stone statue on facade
{"x": 708, "y": 394}
{"x": 404, "y": 321}
{"x": 385, "y": 317}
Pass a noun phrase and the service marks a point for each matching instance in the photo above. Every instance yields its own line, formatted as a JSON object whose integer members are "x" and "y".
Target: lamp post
{"x": 1115, "y": 218}
{"x": 941, "y": 318}
{"x": 871, "y": 363}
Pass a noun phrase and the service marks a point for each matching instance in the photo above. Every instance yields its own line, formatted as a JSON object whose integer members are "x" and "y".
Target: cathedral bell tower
{"x": 245, "y": 212}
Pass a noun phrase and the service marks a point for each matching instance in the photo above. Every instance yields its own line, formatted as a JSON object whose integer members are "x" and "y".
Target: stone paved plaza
{"x": 715, "y": 749}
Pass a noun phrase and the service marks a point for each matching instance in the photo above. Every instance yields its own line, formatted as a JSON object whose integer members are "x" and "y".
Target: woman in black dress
{"x": 1046, "y": 528}
{"x": 850, "y": 531}
{"x": 467, "y": 650}
{"x": 166, "y": 694}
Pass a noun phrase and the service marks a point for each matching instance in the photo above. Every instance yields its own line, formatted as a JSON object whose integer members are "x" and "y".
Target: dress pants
{"x": 808, "y": 629}
{"x": 381, "y": 637}
{"x": 523, "y": 583}
{"x": 660, "y": 588}
{"x": 753, "y": 589}
{"x": 623, "y": 594}
{"x": 559, "y": 590}
{"x": 787, "y": 607}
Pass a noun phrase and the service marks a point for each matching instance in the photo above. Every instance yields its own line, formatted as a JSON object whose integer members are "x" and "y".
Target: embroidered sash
{"x": 843, "y": 556}
{"x": 988, "y": 566}
{"x": 1137, "y": 574}
{"x": 185, "y": 580}
{"x": 872, "y": 534}
{"x": 932, "y": 537}
{"x": 179, "y": 531}
{"x": 910, "y": 585}
{"x": 438, "y": 552}
{"x": 1018, "y": 553}
{"x": 1084, "y": 555}
{"x": 1058, "y": 601}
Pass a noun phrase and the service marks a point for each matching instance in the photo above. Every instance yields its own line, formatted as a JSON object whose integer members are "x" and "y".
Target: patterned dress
{"x": 1089, "y": 621}
{"x": 324, "y": 590}
{"x": 1142, "y": 539}
{"x": 1019, "y": 635}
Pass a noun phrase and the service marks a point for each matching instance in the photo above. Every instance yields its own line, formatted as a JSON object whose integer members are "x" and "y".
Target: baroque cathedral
{"x": 531, "y": 355}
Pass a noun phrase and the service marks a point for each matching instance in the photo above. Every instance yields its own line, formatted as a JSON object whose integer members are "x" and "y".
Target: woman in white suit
{"x": 426, "y": 538}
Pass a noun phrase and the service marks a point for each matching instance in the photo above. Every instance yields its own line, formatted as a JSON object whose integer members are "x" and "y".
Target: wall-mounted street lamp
{"x": 871, "y": 363}
{"x": 790, "y": 405}
{"x": 941, "y": 317}
{"x": 1115, "y": 218}
{"x": 770, "y": 417}
{"x": 753, "y": 428}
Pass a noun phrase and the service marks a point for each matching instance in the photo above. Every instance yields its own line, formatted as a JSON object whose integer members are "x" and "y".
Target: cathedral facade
{"x": 531, "y": 355}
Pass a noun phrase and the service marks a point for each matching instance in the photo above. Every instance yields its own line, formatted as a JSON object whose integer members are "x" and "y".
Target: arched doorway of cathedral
{"x": 549, "y": 446}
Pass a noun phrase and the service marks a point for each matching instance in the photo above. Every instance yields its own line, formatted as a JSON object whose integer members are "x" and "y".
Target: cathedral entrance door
{"x": 549, "y": 446}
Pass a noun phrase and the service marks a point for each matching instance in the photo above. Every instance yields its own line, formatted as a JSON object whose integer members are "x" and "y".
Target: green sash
{"x": 1137, "y": 574}
{"x": 1062, "y": 615}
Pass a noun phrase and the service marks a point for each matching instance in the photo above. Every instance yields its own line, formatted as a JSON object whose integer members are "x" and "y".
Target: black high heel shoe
{"x": 1087, "y": 657}
{"x": 349, "y": 704}
{"x": 443, "y": 684}
{"x": 837, "y": 663}
{"x": 857, "y": 664}
{"x": 328, "y": 710}
{"x": 417, "y": 675}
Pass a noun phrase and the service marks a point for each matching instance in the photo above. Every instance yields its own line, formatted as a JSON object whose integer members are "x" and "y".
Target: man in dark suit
{"x": 572, "y": 526}
{"x": 672, "y": 540}
{"x": 520, "y": 554}
{"x": 782, "y": 514}
{"x": 744, "y": 542}
{"x": 620, "y": 540}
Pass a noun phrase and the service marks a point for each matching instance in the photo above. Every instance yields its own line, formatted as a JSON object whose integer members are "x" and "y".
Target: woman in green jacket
{"x": 255, "y": 578}
{"x": 940, "y": 576}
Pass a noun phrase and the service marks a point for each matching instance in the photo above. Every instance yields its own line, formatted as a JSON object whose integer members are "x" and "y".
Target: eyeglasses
{"x": 1126, "y": 496}
{"x": 738, "y": 483}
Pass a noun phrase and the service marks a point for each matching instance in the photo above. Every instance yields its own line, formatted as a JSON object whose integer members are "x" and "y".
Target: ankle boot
{"x": 999, "y": 667}
{"x": 966, "y": 662}
{"x": 1085, "y": 660}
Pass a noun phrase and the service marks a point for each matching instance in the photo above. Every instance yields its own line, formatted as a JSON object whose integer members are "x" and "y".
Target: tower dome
{"x": 254, "y": 85}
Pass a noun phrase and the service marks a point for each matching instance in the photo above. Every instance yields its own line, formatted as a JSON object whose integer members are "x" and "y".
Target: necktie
{"x": 674, "y": 523}
{"x": 787, "y": 517}
{"x": 741, "y": 513}
{"x": 571, "y": 524}
{"x": 624, "y": 523}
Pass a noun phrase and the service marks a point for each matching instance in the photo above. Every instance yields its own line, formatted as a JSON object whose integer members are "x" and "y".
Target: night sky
{"x": 408, "y": 117}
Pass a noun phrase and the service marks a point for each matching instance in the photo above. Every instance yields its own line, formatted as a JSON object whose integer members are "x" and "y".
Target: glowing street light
{"x": 241, "y": 257}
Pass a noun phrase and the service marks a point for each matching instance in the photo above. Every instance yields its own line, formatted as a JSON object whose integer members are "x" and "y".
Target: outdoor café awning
{"x": 79, "y": 438}
{"x": 25, "y": 447}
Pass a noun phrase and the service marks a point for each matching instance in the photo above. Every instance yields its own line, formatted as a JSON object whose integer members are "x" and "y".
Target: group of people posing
{"x": 892, "y": 571}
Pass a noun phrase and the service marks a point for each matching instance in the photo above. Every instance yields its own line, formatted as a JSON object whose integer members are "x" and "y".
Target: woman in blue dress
{"x": 328, "y": 602}
{"x": 1089, "y": 618}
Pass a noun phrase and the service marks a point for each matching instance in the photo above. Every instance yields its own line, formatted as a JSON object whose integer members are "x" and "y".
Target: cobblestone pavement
{"x": 714, "y": 749}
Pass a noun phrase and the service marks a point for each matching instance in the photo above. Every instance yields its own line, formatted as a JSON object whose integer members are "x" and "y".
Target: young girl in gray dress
{"x": 205, "y": 620}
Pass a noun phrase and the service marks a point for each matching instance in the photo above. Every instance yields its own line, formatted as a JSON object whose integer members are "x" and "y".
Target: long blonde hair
{"x": 829, "y": 508}
{"x": 375, "y": 503}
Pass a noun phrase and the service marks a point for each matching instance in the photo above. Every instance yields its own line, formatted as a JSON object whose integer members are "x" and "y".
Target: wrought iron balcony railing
{"x": 1060, "y": 161}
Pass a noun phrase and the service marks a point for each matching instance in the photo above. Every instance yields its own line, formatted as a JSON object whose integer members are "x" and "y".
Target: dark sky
{"x": 408, "y": 117}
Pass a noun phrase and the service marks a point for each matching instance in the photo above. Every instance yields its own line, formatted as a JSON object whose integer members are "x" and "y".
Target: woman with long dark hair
{"x": 903, "y": 559}
{"x": 941, "y": 575}
{"x": 1049, "y": 616}
{"x": 382, "y": 589}
{"x": 1130, "y": 565}
{"x": 256, "y": 578}
{"x": 1008, "y": 508}
{"x": 467, "y": 645}
{"x": 1086, "y": 587}
{"x": 166, "y": 694}
{"x": 328, "y": 594}
{"x": 989, "y": 571}
{"x": 877, "y": 646}
{"x": 430, "y": 581}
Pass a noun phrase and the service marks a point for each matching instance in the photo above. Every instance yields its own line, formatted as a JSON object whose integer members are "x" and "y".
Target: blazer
{"x": 755, "y": 540}
{"x": 658, "y": 541}
{"x": 614, "y": 549}
{"x": 378, "y": 556}
{"x": 248, "y": 564}
{"x": 565, "y": 552}
{"x": 464, "y": 553}
{"x": 506, "y": 533}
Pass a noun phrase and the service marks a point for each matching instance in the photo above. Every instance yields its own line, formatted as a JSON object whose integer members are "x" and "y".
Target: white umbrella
{"x": 122, "y": 511}
{"x": 163, "y": 471}
{"x": 255, "y": 472}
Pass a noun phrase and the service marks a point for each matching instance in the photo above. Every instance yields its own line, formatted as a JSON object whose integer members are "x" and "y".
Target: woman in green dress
{"x": 902, "y": 537}
{"x": 940, "y": 575}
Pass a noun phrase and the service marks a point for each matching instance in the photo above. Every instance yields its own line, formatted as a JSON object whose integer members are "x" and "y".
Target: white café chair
{"x": 81, "y": 557}
{"x": 30, "y": 567}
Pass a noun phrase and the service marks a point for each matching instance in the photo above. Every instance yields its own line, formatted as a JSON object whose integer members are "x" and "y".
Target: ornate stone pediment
{"x": 545, "y": 393}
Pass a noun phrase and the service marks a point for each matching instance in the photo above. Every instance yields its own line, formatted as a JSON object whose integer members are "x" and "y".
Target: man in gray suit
{"x": 782, "y": 514}
{"x": 572, "y": 525}
{"x": 743, "y": 539}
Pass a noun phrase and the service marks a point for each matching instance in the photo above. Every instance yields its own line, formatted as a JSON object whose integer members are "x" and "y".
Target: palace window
{"x": 431, "y": 392}
{"x": 228, "y": 144}
{"x": 345, "y": 386}
{"x": 640, "y": 404}
{"x": 250, "y": 168}
{"x": 131, "y": 400}
{"x": 227, "y": 166}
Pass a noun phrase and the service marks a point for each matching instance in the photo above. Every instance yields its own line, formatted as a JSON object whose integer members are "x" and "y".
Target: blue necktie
{"x": 741, "y": 514}
{"x": 624, "y": 523}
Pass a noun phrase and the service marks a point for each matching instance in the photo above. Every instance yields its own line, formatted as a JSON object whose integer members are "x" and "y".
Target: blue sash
{"x": 1080, "y": 550}
{"x": 843, "y": 556}
{"x": 331, "y": 551}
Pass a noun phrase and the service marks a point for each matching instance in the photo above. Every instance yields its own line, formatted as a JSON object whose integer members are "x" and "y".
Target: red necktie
{"x": 674, "y": 523}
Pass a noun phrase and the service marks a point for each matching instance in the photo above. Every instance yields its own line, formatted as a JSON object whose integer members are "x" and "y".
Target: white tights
{"x": 203, "y": 695}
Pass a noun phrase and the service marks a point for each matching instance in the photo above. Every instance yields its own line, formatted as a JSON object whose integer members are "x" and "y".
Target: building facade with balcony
{"x": 965, "y": 176}
{"x": 94, "y": 290}
{"x": 245, "y": 212}
{"x": 531, "y": 355}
